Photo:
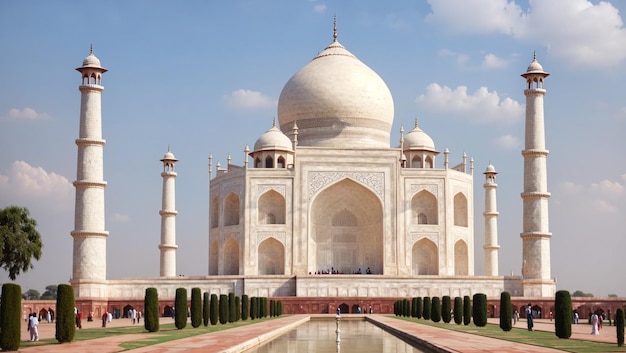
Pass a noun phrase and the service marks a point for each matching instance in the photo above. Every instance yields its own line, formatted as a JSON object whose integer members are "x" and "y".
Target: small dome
{"x": 417, "y": 139}
{"x": 535, "y": 68}
{"x": 91, "y": 61}
{"x": 273, "y": 139}
{"x": 491, "y": 169}
{"x": 169, "y": 156}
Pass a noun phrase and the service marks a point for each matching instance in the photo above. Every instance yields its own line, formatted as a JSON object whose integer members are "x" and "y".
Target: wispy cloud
{"x": 508, "y": 142}
{"x": 248, "y": 99}
{"x": 36, "y": 185}
{"x": 583, "y": 33}
{"x": 26, "y": 114}
{"x": 481, "y": 106}
{"x": 120, "y": 218}
{"x": 605, "y": 196}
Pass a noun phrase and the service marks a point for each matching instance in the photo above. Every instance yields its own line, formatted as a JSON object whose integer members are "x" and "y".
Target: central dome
{"x": 337, "y": 101}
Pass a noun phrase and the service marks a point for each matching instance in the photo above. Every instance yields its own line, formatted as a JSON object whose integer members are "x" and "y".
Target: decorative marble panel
{"x": 375, "y": 181}
{"x": 415, "y": 188}
{"x": 261, "y": 189}
{"x": 280, "y": 236}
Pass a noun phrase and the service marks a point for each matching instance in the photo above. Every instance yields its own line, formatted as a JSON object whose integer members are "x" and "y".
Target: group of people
{"x": 134, "y": 315}
{"x": 596, "y": 324}
{"x": 334, "y": 271}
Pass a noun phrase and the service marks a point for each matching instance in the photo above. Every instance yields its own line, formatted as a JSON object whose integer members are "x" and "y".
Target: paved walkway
{"x": 240, "y": 338}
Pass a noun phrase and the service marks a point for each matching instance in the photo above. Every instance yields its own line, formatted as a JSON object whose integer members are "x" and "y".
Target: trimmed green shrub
{"x": 223, "y": 309}
{"x": 446, "y": 309}
{"x": 244, "y": 307}
{"x": 563, "y": 314}
{"x": 196, "y": 307}
{"x": 280, "y": 308}
{"x": 458, "y": 310}
{"x": 253, "y": 308}
{"x": 406, "y": 308}
{"x": 206, "y": 309}
{"x": 435, "y": 312}
{"x": 467, "y": 310}
{"x": 180, "y": 308}
{"x": 10, "y": 312}
{"x": 151, "y": 310}
{"x": 414, "y": 306}
{"x": 263, "y": 308}
{"x": 619, "y": 326}
{"x": 506, "y": 312}
{"x": 214, "y": 311}
{"x": 65, "y": 320}
{"x": 232, "y": 308}
{"x": 419, "y": 309}
{"x": 237, "y": 309}
{"x": 272, "y": 308}
{"x": 480, "y": 309}
{"x": 427, "y": 308}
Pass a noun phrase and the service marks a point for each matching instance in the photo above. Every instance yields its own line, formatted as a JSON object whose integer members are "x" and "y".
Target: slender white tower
{"x": 491, "y": 246}
{"x": 536, "y": 235}
{"x": 89, "y": 259}
{"x": 168, "y": 217}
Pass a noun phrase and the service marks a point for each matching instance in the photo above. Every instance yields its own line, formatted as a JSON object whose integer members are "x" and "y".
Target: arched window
{"x": 460, "y": 210}
{"x": 269, "y": 162}
{"x": 231, "y": 257}
{"x": 424, "y": 203}
{"x": 231, "y": 210}
{"x": 422, "y": 219}
{"x": 429, "y": 162}
{"x": 257, "y": 163}
{"x": 271, "y": 257}
{"x": 215, "y": 212}
{"x": 271, "y": 208}
{"x": 460, "y": 259}
{"x": 425, "y": 259}
{"x": 416, "y": 162}
{"x": 281, "y": 162}
{"x": 270, "y": 219}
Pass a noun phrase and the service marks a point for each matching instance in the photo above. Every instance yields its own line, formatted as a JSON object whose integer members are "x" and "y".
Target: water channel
{"x": 320, "y": 336}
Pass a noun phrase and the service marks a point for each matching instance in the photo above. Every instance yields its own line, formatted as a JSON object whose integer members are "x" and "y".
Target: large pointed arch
{"x": 271, "y": 257}
{"x": 231, "y": 257}
{"x": 461, "y": 260}
{"x": 272, "y": 208}
{"x": 460, "y": 210}
{"x": 424, "y": 208}
{"x": 425, "y": 258}
{"x": 347, "y": 229}
{"x": 231, "y": 210}
{"x": 215, "y": 212}
{"x": 214, "y": 257}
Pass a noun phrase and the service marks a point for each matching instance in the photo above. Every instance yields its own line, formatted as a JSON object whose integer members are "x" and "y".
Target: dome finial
{"x": 416, "y": 124}
{"x": 274, "y": 122}
{"x": 534, "y": 55}
{"x": 335, "y": 29}
{"x": 91, "y": 49}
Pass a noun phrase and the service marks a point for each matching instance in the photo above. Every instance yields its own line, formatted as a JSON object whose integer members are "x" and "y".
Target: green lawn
{"x": 537, "y": 338}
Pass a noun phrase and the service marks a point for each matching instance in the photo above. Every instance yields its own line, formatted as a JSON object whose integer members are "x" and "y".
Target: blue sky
{"x": 204, "y": 77}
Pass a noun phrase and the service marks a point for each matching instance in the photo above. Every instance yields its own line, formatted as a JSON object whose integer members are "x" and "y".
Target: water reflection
{"x": 319, "y": 336}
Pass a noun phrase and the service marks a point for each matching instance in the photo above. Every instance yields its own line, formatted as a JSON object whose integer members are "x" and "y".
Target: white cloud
{"x": 482, "y": 106}
{"x": 604, "y": 206}
{"x": 602, "y": 197}
{"x": 25, "y": 183}
{"x": 508, "y": 142}
{"x": 26, "y": 114}
{"x": 491, "y": 61}
{"x": 248, "y": 99}
{"x": 120, "y": 218}
{"x": 583, "y": 33}
{"x": 608, "y": 187}
{"x": 320, "y": 8}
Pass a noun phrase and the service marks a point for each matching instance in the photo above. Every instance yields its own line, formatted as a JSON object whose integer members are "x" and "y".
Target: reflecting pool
{"x": 320, "y": 336}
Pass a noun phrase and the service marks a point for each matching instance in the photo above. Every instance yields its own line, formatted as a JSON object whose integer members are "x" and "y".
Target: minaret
{"x": 491, "y": 246}
{"x": 89, "y": 258}
{"x": 536, "y": 235}
{"x": 168, "y": 217}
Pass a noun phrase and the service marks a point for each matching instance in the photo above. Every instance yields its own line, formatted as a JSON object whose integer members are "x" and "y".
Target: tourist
{"x": 32, "y": 327}
{"x": 594, "y": 324}
{"x": 576, "y": 317}
{"x": 79, "y": 318}
{"x": 104, "y": 319}
{"x": 515, "y": 317}
{"x": 529, "y": 317}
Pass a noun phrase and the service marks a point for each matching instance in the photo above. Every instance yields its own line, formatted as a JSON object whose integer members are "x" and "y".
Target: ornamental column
{"x": 536, "y": 234}
{"x": 89, "y": 258}
{"x": 491, "y": 246}
{"x": 168, "y": 217}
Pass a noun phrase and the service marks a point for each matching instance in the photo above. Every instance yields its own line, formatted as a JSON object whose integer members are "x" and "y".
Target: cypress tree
{"x": 223, "y": 309}
{"x": 272, "y": 308}
{"x": 214, "y": 312}
{"x": 244, "y": 307}
{"x": 196, "y": 307}
{"x": 467, "y": 310}
{"x": 280, "y": 308}
{"x": 446, "y": 308}
{"x": 435, "y": 312}
{"x": 619, "y": 326}
{"x": 406, "y": 306}
{"x": 237, "y": 309}
{"x": 480, "y": 309}
{"x": 263, "y": 308}
{"x": 458, "y": 310}
{"x": 506, "y": 312}
{"x": 419, "y": 309}
{"x": 65, "y": 320}
{"x": 414, "y": 306}
{"x": 151, "y": 310}
{"x": 180, "y": 308}
{"x": 206, "y": 309}
{"x": 10, "y": 312}
{"x": 232, "y": 308}
{"x": 563, "y": 314}
{"x": 427, "y": 308}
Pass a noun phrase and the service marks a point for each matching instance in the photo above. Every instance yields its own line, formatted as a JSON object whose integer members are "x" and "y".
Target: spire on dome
{"x": 91, "y": 49}
{"x": 335, "y": 29}
{"x": 416, "y": 124}
{"x": 274, "y": 122}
